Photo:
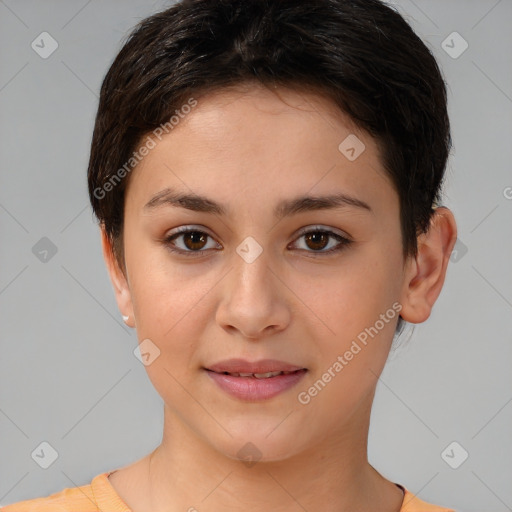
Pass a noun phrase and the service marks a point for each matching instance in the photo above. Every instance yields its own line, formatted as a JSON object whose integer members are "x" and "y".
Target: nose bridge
{"x": 251, "y": 301}
{"x": 251, "y": 263}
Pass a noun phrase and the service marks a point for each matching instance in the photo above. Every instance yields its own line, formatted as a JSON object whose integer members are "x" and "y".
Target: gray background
{"x": 68, "y": 375}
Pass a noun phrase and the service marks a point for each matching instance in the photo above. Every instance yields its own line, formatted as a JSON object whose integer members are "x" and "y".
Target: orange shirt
{"x": 100, "y": 496}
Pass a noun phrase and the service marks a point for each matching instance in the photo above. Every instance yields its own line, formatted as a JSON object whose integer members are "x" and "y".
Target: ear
{"x": 119, "y": 280}
{"x": 425, "y": 274}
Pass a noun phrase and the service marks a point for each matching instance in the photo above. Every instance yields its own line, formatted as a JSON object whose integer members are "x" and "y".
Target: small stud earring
{"x": 126, "y": 318}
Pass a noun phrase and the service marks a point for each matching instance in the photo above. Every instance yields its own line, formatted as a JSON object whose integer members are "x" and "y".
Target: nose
{"x": 254, "y": 298}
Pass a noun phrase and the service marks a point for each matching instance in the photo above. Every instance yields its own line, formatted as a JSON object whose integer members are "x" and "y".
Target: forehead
{"x": 253, "y": 106}
{"x": 249, "y": 140}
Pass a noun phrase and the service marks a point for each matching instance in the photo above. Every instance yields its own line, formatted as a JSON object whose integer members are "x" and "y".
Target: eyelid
{"x": 302, "y": 231}
{"x": 320, "y": 227}
{"x": 188, "y": 227}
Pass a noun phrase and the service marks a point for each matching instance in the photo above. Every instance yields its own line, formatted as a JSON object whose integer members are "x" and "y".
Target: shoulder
{"x": 79, "y": 499}
{"x": 97, "y": 495}
{"x": 412, "y": 503}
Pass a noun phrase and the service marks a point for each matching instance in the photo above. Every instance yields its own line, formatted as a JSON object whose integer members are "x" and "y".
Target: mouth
{"x": 267, "y": 375}
{"x": 264, "y": 368}
{"x": 255, "y": 381}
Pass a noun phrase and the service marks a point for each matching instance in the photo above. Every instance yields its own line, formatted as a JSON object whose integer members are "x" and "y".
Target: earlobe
{"x": 118, "y": 279}
{"x": 425, "y": 274}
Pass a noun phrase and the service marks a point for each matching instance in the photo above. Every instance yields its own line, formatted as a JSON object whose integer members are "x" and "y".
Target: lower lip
{"x": 252, "y": 389}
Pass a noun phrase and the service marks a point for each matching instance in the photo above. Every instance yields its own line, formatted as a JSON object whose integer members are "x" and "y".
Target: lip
{"x": 252, "y": 389}
{"x": 262, "y": 366}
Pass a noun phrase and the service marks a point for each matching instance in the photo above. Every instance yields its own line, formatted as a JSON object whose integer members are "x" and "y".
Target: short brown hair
{"x": 361, "y": 54}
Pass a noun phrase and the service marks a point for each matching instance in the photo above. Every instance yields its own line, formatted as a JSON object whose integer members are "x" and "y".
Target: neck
{"x": 187, "y": 473}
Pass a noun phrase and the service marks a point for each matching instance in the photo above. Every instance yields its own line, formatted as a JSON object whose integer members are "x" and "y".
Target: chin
{"x": 255, "y": 447}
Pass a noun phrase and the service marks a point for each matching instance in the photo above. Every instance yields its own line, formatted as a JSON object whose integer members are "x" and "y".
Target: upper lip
{"x": 261, "y": 366}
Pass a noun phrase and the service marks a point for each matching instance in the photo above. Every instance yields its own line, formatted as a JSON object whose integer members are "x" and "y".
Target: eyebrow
{"x": 286, "y": 207}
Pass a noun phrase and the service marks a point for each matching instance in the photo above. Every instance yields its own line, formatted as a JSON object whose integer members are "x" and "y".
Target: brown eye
{"x": 194, "y": 240}
{"x": 189, "y": 241}
{"x": 317, "y": 240}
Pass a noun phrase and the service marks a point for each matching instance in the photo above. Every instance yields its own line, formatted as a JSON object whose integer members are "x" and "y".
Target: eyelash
{"x": 343, "y": 241}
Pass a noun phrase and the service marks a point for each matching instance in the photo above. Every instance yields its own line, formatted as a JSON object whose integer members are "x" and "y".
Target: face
{"x": 260, "y": 274}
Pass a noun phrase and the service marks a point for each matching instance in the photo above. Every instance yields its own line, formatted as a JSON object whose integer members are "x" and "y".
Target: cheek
{"x": 168, "y": 312}
{"x": 166, "y": 301}
{"x": 358, "y": 309}
{"x": 171, "y": 308}
{"x": 355, "y": 305}
{"x": 350, "y": 296}
{"x": 161, "y": 292}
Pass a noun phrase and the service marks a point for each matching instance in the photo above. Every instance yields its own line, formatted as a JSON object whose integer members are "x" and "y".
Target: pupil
{"x": 196, "y": 238}
{"x": 317, "y": 238}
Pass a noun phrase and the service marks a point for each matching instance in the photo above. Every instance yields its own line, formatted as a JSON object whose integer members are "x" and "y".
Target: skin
{"x": 248, "y": 149}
